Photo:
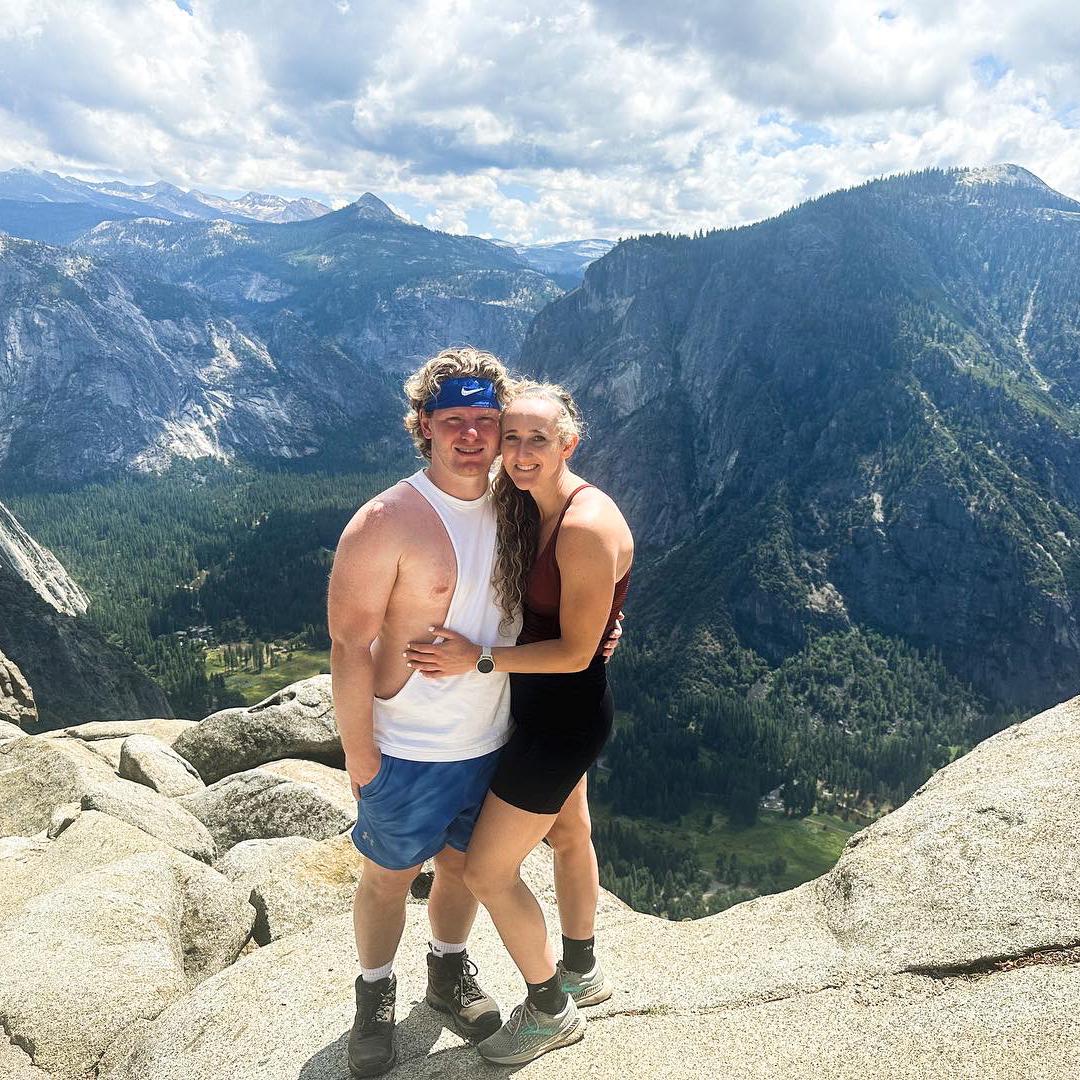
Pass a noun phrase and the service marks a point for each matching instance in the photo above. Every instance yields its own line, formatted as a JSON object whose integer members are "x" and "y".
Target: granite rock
{"x": 296, "y": 722}
{"x": 148, "y": 761}
{"x": 257, "y": 805}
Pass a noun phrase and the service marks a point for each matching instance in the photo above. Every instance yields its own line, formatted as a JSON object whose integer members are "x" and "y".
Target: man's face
{"x": 464, "y": 441}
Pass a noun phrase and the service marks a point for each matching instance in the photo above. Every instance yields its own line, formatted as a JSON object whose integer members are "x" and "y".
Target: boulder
{"x": 297, "y": 722}
{"x": 108, "y": 750}
{"x": 167, "y": 730}
{"x": 92, "y": 840}
{"x": 106, "y": 737}
{"x": 982, "y": 861}
{"x": 10, "y": 731}
{"x": 251, "y": 861}
{"x": 16, "y": 1064}
{"x": 148, "y": 928}
{"x": 155, "y": 814}
{"x": 157, "y": 765}
{"x": 258, "y": 805}
{"x": 16, "y": 698}
{"x": 296, "y": 882}
{"x": 332, "y": 783}
{"x": 37, "y": 775}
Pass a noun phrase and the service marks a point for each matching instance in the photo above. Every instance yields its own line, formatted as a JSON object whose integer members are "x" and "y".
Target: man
{"x": 420, "y": 752}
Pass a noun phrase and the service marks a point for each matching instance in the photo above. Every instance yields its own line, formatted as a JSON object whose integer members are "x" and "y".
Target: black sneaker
{"x": 452, "y": 989}
{"x": 371, "y": 1041}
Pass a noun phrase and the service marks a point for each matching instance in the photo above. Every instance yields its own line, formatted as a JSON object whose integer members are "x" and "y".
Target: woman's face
{"x": 531, "y": 451}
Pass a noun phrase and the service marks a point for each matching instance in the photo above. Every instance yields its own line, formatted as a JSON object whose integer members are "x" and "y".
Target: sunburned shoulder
{"x": 391, "y": 513}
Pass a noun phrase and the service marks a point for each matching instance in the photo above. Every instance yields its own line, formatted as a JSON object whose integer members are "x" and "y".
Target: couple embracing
{"x": 471, "y": 621}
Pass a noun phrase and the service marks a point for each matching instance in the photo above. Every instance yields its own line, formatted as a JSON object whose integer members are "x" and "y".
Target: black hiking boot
{"x": 371, "y": 1041}
{"x": 452, "y": 989}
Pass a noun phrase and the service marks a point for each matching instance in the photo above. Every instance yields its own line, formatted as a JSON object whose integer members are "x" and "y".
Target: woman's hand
{"x": 611, "y": 642}
{"x": 455, "y": 655}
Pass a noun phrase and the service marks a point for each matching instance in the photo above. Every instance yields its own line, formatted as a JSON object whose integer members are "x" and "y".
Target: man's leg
{"x": 378, "y": 921}
{"x": 451, "y": 907}
{"x": 379, "y": 913}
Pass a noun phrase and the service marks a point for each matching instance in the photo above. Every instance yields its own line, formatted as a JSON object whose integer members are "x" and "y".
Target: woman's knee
{"x": 570, "y": 832}
{"x": 486, "y": 879}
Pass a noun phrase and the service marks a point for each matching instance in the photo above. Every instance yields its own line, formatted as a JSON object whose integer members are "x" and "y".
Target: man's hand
{"x": 362, "y": 766}
{"x": 611, "y": 642}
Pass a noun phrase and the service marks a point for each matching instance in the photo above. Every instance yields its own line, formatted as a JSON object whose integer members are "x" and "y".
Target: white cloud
{"x": 573, "y": 118}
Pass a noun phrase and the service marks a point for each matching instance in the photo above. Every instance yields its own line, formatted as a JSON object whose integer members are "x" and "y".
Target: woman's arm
{"x": 588, "y": 558}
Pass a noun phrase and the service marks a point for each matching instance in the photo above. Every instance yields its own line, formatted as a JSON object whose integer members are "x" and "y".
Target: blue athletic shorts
{"x": 411, "y": 810}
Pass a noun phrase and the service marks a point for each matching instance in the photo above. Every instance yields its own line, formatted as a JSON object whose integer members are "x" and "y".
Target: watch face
{"x": 485, "y": 664}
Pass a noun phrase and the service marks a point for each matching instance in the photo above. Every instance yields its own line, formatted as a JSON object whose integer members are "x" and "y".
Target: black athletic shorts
{"x": 561, "y": 723}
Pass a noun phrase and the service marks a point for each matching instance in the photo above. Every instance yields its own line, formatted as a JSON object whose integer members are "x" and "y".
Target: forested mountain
{"x": 861, "y": 414}
{"x": 268, "y": 343}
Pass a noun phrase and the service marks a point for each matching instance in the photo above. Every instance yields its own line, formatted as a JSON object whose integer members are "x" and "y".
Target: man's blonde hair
{"x": 423, "y": 384}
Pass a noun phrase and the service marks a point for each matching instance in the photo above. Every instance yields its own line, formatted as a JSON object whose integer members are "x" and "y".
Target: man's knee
{"x": 384, "y": 884}
{"x": 450, "y": 866}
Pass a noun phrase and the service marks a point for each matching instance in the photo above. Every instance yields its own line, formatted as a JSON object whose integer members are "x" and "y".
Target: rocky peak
{"x": 1005, "y": 174}
{"x": 39, "y": 567}
{"x": 372, "y": 208}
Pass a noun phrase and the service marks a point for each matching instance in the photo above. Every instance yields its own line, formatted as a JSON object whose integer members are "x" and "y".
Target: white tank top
{"x": 460, "y": 716}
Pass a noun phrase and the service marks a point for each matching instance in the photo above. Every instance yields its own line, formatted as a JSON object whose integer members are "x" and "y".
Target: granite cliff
{"x": 945, "y": 942}
{"x": 59, "y": 669}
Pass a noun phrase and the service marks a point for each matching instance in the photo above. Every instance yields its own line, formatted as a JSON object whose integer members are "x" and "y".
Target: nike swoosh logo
{"x": 477, "y": 390}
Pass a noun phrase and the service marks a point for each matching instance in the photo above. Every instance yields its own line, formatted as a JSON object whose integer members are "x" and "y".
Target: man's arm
{"x": 365, "y": 569}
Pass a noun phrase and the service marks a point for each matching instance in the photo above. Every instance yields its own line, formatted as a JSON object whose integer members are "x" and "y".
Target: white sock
{"x": 375, "y": 974}
{"x": 446, "y": 948}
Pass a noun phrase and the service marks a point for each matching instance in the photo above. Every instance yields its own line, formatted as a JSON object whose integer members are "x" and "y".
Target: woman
{"x": 564, "y": 559}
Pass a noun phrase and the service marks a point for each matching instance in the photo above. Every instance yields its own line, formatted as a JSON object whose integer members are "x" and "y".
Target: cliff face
{"x": 75, "y": 675}
{"x": 944, "y": 943}
{"x": 22, "y": 555}
{"x": 864, "y": 411}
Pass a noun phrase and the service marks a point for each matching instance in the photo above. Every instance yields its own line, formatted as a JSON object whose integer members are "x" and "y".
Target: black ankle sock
{"x": 577, "y": 956}
{"x": 548, "y": 996}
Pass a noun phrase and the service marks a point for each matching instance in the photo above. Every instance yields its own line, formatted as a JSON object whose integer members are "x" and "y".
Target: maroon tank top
{"x": 540, "y": 621}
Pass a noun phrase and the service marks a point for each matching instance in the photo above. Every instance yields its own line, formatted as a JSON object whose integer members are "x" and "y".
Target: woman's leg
{"x": 577, "y": 877}
{"x": 504, "y": 835}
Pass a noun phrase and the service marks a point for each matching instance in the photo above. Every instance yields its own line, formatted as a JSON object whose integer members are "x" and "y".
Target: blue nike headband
{"x": 467, "y": 392}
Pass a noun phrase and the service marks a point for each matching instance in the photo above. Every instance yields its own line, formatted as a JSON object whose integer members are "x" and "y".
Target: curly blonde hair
{"x": 423, "y": 384}
{"x": 516, "y": 510}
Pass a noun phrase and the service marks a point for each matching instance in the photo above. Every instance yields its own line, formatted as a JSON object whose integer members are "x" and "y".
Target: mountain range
{"x": 47, "y": 203}
{"x": 860, "y": 415}
{"x": 59, "y": 209}
{"x": 148, "y": 340}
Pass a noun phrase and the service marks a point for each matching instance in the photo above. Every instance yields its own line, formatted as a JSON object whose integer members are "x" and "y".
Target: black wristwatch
{"x": 486, "y": 664}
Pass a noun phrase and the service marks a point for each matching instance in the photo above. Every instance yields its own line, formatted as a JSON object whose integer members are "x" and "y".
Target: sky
{"x": 540, "y": 121}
